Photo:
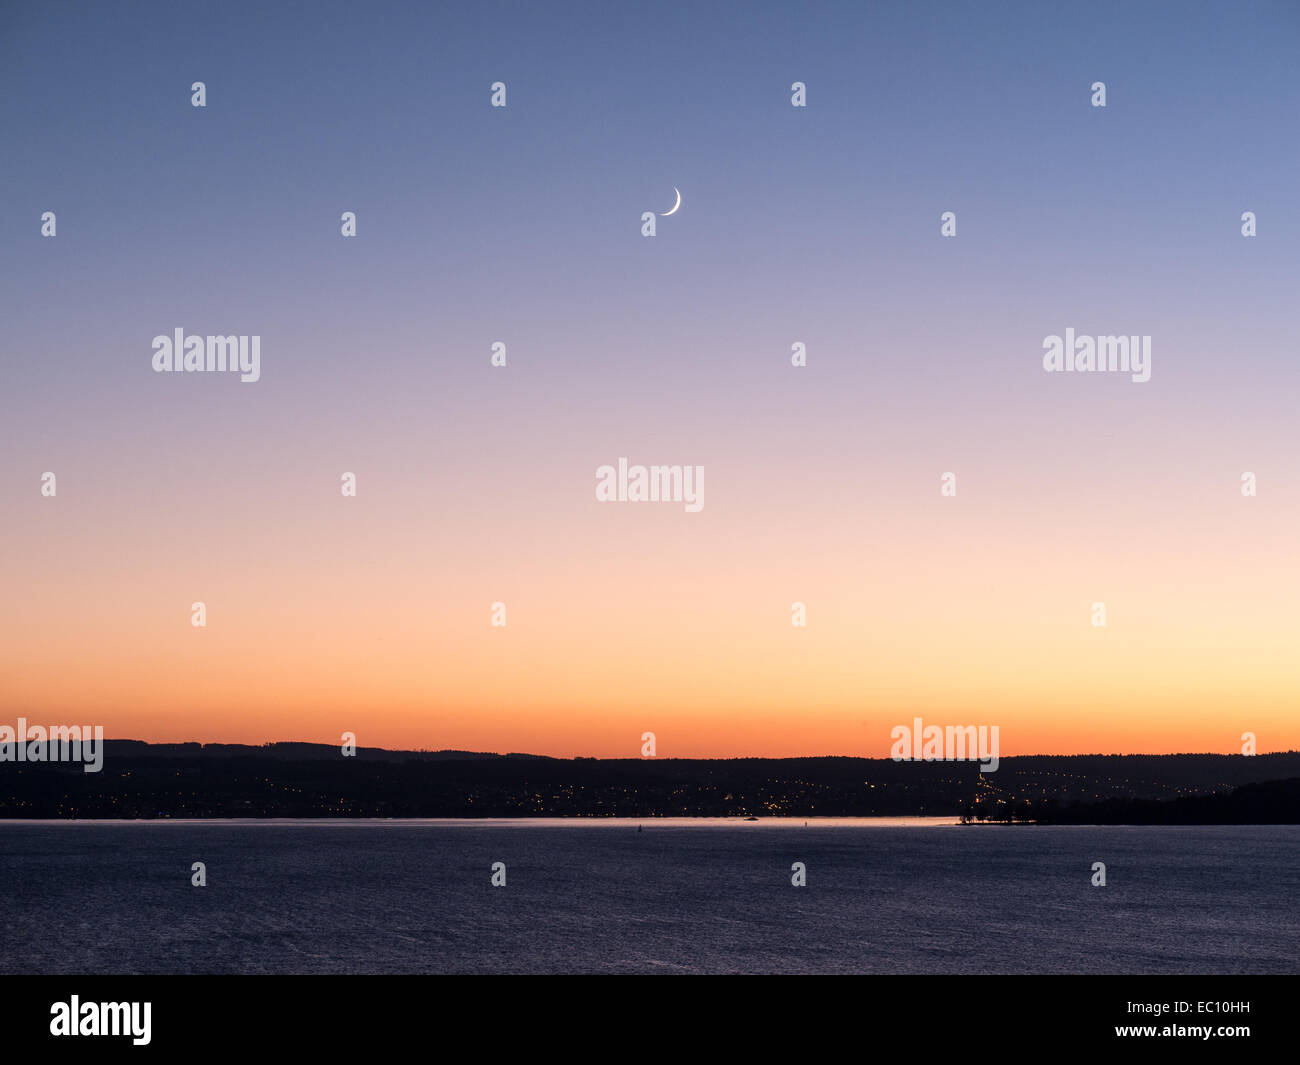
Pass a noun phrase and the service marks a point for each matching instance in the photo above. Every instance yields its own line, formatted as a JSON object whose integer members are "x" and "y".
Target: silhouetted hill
{"x": 1270, "y": 802}
{"x": 284, "y": 751}
{"x": 314, "y": 780}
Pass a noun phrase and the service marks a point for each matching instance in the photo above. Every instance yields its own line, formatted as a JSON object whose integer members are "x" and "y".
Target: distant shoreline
{"x": 139, "y": 783}
{"x": 661, "y": 822}
{"x": 611, "y": 822}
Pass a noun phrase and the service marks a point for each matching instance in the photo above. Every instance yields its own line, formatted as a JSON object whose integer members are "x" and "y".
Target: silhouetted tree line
{"x": 309, "y": 780}
{"x": 1272, "y": 802}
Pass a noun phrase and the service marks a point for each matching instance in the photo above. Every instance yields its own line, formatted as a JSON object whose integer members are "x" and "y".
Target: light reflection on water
{"x": 597, "y": 895}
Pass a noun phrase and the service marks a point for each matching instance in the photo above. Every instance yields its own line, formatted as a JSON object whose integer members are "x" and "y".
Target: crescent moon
{"x": 675, "y": 206}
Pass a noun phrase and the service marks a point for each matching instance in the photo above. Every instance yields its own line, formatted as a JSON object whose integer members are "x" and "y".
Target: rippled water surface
{"x": 416, "y": 896}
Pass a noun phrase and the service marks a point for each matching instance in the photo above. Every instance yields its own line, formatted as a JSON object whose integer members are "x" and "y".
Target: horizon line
{"x": 693, "y": 758}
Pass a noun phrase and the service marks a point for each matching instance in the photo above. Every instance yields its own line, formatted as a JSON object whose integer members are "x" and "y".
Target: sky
{"x": 523, "y": 224}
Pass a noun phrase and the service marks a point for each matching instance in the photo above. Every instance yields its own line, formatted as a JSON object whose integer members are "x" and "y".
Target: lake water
{"x": 681, "y": 896}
